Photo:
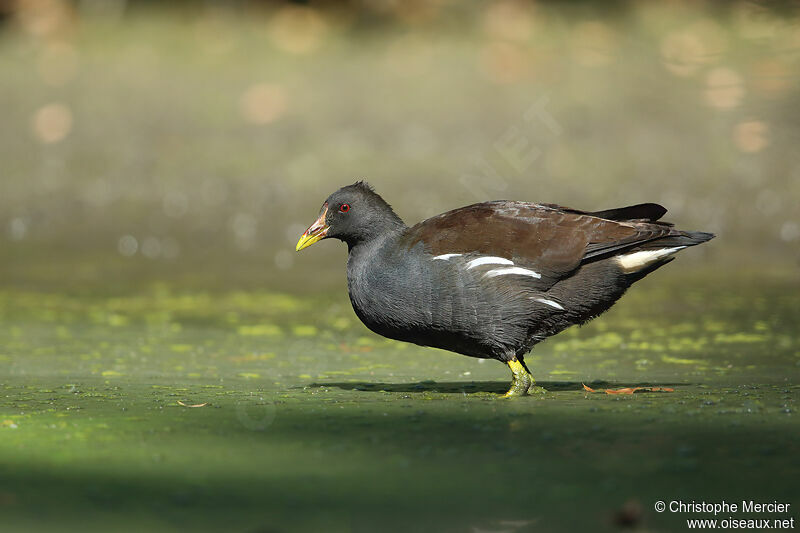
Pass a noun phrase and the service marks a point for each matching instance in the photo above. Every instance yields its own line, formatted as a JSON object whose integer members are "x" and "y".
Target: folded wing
{"x": 549, "y": 240}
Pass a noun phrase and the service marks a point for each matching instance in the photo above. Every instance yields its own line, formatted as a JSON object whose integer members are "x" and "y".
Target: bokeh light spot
{"x": 502, "y": 62}
{"x": 52, "y": 123}
{"x": 594, "y": 44}
{"x": 755, "y": 21}
{"x": 771, "y": 77}
{"x": 127, "y": 245}
{"x": 263, "y": 103}
{"x": 17, "y": 229}
{"x": 682, "y": 53}
{"x": 509, "y": 20}
{"x": 685, "y": 51}
{"x": 43, "y": 18}
{"x": 297, "y": 29}
{"x": 751, "y": 136}
{"x": 416, "y": 11}
{"x": 151, "y": 247}
{"x": 790, "y": 231}
{"x": 724, "y": 88}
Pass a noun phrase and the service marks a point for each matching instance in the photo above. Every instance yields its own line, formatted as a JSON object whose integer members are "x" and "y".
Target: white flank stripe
{"x": 639, "y": 260}
{"x": 513, "y": 270}
{"x": 488, "y": 261}
{"x": 445, "y": 257}
{"x": 551, "y": 303}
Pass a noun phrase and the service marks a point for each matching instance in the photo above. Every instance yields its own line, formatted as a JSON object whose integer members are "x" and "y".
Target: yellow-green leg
{"x": 521, "y": 379}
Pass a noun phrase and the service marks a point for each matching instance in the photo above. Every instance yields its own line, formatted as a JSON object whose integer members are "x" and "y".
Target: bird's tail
{"x": 654, "y": 254}
{"x": 678, "y": 239}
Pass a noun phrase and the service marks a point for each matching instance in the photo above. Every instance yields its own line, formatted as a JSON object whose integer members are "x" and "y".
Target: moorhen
{"x": 491, "y": 280}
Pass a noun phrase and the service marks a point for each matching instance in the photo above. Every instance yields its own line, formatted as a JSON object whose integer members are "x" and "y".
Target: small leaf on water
{"x": 192, "y": 405}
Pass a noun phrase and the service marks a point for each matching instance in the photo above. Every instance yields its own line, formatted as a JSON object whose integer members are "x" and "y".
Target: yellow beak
{"x": 307, "y": 240}
{"x": 316, "y": 232}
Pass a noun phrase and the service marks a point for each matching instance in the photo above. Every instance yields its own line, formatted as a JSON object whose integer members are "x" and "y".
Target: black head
{"x": 353, "y": 214}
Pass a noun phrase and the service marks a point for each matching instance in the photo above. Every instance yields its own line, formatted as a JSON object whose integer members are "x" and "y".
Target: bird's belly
{"x": 415, "y": 316}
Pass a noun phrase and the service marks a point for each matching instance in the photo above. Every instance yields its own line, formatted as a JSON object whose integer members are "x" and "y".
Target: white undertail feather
{"x": 445, "y": 257}
{"x": 512, "y": 270}
{"x": 636, "y": 261}
{"x": 488, "y": 261}
{"x": 551, "y": 303}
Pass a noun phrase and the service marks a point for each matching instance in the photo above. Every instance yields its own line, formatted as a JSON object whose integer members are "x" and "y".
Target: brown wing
{"x": 549, "y": 239}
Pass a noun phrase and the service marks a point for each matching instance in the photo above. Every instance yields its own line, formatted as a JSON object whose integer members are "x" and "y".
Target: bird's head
{"x": 353, "y": 214}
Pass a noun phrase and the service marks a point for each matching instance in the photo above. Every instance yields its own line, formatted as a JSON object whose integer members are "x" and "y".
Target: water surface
{"x": 309, "y": 421}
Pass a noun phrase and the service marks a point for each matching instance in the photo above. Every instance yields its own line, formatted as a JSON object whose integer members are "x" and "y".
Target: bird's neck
{"x": 385, "y": 227}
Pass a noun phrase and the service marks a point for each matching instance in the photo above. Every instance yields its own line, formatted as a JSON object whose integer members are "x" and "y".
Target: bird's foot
{"x": 521, "y": 380}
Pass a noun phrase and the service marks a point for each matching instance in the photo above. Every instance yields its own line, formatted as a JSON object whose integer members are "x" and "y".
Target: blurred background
{"x": 168, "y": 362}
{"x": 194, "y": 141}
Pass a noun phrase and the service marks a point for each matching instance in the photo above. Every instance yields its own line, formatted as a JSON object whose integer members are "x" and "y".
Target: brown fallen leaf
{"x": 630, "y": 390}
{"x": 192, "y": 405}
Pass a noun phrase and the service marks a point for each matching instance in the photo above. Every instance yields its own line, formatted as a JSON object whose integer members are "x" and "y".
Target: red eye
{"x": 344, "y": 208}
